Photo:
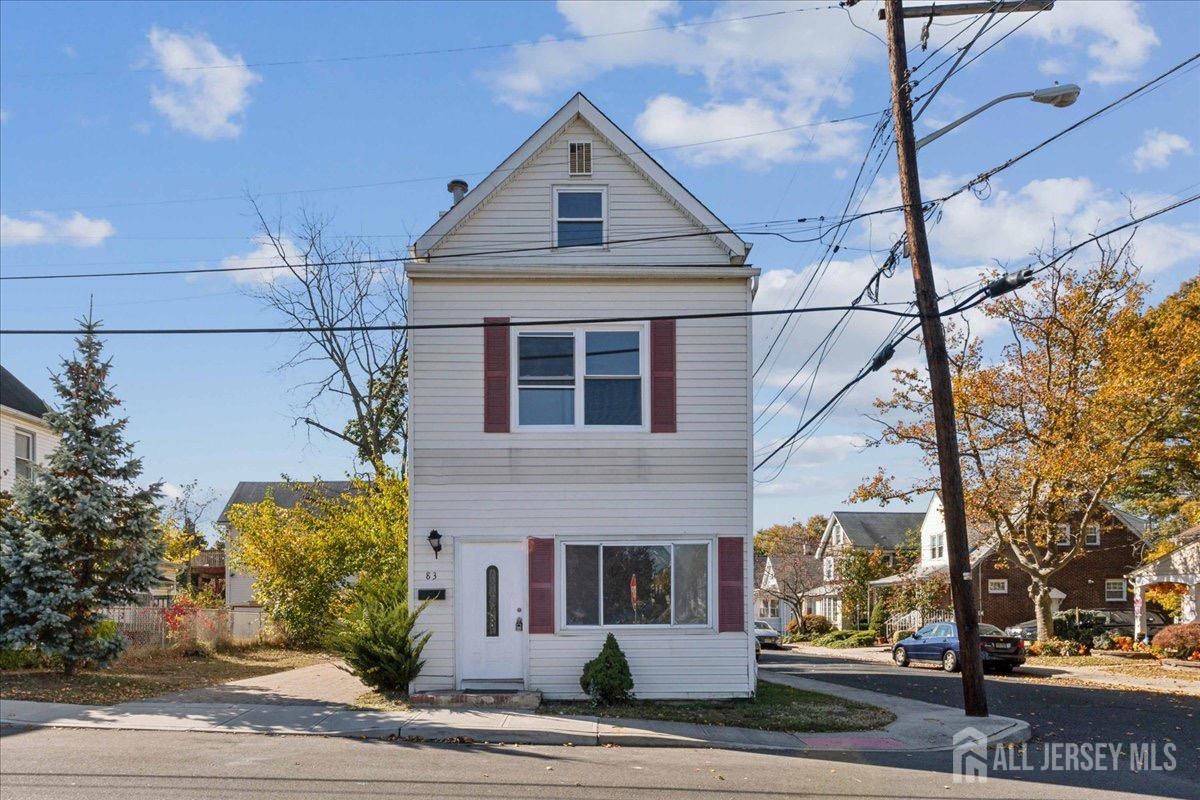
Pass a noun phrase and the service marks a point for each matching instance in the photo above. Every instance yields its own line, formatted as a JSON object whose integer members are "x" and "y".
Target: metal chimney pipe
{"x": 457, "y": 188}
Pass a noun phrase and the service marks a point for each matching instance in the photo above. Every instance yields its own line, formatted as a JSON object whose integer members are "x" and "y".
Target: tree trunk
{"x": 68, "y": 667}
{"x": 1040, "y": 590}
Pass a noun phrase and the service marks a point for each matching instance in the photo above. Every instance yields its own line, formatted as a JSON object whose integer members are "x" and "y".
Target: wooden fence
{"x": 151, "y": 626}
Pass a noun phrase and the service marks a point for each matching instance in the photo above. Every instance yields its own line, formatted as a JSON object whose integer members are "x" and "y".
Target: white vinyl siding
{"x": 43, "y": 445}
{"x": 574, "y": 485}
{"x": 520, "y": 214}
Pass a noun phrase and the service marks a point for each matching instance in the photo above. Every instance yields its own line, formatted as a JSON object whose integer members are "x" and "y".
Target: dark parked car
{"x": 1116, "y": 622}
{"x": 938, "y": 641}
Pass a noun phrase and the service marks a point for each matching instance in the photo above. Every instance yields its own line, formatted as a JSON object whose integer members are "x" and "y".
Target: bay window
{"x": 583, "y": 377}
{"x": 636, "y": 584}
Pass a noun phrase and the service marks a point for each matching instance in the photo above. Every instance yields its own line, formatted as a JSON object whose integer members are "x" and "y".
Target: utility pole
{"x": 965, "y": 612}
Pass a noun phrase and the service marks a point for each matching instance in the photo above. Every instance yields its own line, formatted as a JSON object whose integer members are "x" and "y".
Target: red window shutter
{"x": 541, "y": 585}
{"x": 495, "y": 376}
{"x": 662, "y": 376}
{"x": 731, "y": 592}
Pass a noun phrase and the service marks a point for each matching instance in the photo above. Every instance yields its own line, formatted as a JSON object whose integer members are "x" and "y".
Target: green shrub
{"x": 606, "y": 678}
{"x": 23, "y": 658}
{"x": 901, "y": 635}
{"x": 878, "y": 618}
{"x": 1178, "y": 641}
{"x": 855, "y": 639}
{"x": 834, "y": 638}
{"x": 817, "y": 624}
{"x": 376, "y": 638}
{"x": 1083, "y": 631}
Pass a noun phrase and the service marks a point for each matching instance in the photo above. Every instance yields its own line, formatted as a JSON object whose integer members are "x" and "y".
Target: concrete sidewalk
{"x": 918, "y": 727}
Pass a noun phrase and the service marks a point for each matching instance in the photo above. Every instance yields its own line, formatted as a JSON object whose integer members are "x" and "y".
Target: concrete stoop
{"x": 477, "y": 699}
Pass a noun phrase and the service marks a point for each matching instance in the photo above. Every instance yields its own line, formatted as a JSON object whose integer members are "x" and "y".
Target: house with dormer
{"x": 580, "y": 440}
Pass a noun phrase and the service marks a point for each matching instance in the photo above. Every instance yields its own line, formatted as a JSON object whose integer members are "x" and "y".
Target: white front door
{"x": 492, "y": 614}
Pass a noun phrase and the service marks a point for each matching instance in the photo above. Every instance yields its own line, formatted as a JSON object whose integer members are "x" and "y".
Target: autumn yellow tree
{"x": 309, "y": 560}
{"x": 1083, "y": 399}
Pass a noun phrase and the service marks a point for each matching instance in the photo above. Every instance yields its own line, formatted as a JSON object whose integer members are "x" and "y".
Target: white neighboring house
{"x": 26, "y": 441}
{"x": 573, "y": 480}
{"x": 239, "y": 585}
{"x": 849, "y": 530}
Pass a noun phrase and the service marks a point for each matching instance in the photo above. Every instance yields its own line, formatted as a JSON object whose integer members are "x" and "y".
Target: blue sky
{"x": 113, "y": 154}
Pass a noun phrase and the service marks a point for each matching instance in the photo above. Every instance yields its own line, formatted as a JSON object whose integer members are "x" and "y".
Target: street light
{"x": 1057, "y": 96}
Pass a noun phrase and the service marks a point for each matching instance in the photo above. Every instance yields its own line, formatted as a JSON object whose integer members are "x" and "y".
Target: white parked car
{"x": 766, "y": 635}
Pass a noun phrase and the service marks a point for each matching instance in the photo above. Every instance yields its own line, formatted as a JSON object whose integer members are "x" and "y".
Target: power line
{"x": 878, "y": 308}
{"x": 444, "y": 177}
{"x": 435, "y": 51}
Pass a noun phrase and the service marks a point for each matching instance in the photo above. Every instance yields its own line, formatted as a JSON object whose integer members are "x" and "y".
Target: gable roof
{"x": 580, "y": 107}
{"x": 1131, "y": 521}
{"x": 19, "y": 397}
{"x": 882, "y": 529}
{"x": 285, "y": 494}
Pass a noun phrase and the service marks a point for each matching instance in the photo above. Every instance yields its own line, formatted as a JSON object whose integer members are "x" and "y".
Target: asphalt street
{"x": 144, "y": 765}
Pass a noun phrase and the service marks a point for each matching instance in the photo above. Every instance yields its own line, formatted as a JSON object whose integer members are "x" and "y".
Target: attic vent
{"x": 581, "y": 158}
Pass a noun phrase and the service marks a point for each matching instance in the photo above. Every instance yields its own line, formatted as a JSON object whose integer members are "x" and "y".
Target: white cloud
{"x": 1007, "y": 225}
{"x": 45, "y": 228}
{"x": 1156, "y": 149}
{"x": 1118, "y": 40}
{"x": 206, "y": 92}
{"x": 264, "y": 254}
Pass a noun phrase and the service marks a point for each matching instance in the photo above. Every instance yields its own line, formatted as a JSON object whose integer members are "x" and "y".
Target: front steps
{"x": 476, "y": 698}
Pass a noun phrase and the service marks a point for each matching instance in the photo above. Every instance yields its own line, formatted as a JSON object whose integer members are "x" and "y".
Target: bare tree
{"x": 351, "y": 304}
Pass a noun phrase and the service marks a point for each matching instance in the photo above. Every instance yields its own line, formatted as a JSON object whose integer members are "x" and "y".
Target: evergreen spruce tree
{"x": 80, "y": 535}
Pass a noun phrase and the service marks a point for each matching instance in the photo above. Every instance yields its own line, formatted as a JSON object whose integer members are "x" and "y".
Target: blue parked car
{"x": 938, "y": 641}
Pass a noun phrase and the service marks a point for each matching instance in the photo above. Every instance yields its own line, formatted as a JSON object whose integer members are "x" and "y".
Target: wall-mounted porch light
{"x": 435, "y": 541}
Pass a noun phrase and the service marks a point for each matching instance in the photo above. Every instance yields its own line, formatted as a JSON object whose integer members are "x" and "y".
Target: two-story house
{"x": 25, "y": 439}
{"x": 1113, "y": 546}
{"x": 579, "y": 447}
{"x": 861, "y": 530}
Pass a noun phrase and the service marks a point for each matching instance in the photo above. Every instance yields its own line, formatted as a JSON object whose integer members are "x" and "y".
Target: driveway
{"x": 319, "y": 684}
{"x": 1055, "y": 712}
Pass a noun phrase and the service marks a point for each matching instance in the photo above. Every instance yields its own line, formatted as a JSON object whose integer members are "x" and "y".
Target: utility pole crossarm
{"x": 957, "y": 9}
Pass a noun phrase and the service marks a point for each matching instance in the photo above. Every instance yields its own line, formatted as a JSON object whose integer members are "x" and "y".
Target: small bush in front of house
{"x": 901, "y": 635}
{"x": 817, "y": 624}
{"x": 1081, "y": 631}
{"x": 1179, "y": 641}
{"x": 793, "y": 626}
{"x": 1057, "y": 647}
{"x": 855, "y": 639}
{"x": 878, "y": 617}
{"x": 376, "y": 639}
{"x": 606, "y": 678}
{"x": 835, "y": 638}
{"x": 1103, "y": 642}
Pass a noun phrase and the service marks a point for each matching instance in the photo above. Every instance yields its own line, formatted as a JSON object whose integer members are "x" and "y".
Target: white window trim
{"x": 1108, "y": 598}
{"x": 997, "y": 585}
{"x": 937, "y": 546}
{"x": 591, "y": 158}
{"x": 643, "y": 330}
{"x": 828, "y": 568}
{"x": 33, "y": 462}
{"x": 1063, "y": 537}
{"x": 560, "y": 584}
{"x": 1092, "y": 536}
{"x": 554, "y": 218}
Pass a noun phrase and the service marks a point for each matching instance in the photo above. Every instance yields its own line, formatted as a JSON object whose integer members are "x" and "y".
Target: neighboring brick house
{"x": 1093, "y": 580}
{"x": 866, "y": 530}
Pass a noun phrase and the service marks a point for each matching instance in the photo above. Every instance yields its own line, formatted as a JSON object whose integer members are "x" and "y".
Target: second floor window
{"x": 25, "y": 456}
{"x": 578, "y": 218}
{"x": 937, "y": 546}
{"x": 582, "y": 377}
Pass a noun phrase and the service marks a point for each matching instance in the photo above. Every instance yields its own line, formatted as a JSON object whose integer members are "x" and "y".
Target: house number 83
{"x": 431, "y": 576}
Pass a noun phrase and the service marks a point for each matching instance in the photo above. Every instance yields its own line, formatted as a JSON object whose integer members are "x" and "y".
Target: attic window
{"x": 579, "y": 217}
{"x": 580, "y": 158}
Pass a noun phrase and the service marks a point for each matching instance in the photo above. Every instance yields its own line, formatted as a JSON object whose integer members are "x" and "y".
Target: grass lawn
{"x": 1068, "y": 661}
{"x": 774, "y": 707}
{"x": 138, "y": 676}
{"x": 1153, "y": 669}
